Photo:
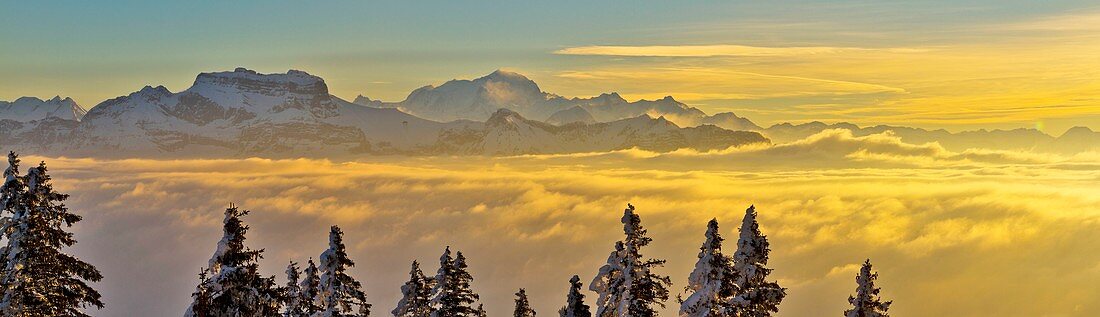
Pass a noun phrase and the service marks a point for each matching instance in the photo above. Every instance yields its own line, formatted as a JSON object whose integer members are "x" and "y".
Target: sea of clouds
{"x": 974, "y": 233}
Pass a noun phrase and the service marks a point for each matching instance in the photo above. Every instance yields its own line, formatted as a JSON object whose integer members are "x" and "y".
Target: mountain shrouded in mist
{"x": 245, "y": 113}
{"x": 477, "y": 99}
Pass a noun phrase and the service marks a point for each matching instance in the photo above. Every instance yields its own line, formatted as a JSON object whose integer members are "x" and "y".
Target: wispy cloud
{"x": 1005, "y": 75}
{"x": 692, "y": 84}
{"x": 721, "y": 50}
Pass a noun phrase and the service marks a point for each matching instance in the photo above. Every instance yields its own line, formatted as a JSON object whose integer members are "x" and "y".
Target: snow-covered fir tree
{"x": 292, "y": 296}
{"x": 201, "y": 297}
{"x": 234, "y": 286}
{"x": 711, "y": 284}
{"x": 574, "y": 302}
{"x": 608, "y": 283}
{"x": 867, "y": 302}
{"x": 452, "y": 296}
{"x": 480, "y": 312}
{"x": 341, "y": 295}
{"x": 640, "y": 291}
{"x": 310, "y": 289}
{"x": 756, "y": 296}
{"x": 38, "y": 278}
{"x": 13, "y": 189}
{"x": 523, "y": 307}
{"x": 416, "y": 295}
{"x": 12, "y": 204}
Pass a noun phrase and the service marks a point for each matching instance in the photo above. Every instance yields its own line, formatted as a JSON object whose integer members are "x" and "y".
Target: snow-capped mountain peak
{"x": 246, "y": 113}
{"x": 475, "y": 99}
{"x": 25, "y": 109}
{"x": 501, "y": 75}
{"x": 479, "y": 98}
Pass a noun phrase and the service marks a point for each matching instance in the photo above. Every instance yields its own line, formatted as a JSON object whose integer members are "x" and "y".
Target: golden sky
{"x": 932, "y": 64}
{"x": 1019, "y": 74}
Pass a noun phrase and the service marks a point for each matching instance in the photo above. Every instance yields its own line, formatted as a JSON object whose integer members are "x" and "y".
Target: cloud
{"x": 731, "y": 84}
{"x": 932, "y": 220}
{"x": 1021, "y": 72}
{"x": 720, "y": 50}
{"x": 828, "y": 149}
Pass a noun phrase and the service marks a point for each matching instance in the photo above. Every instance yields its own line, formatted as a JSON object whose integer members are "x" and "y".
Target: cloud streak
{"x": 720, "y": 50}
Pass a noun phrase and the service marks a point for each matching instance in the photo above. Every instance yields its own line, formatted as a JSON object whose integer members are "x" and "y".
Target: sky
{"x": 934, "y": 64}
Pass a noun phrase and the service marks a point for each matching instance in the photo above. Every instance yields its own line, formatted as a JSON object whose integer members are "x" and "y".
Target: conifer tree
{"x": 523, "y": 307}
{"x": 609, "y": 284}
{"x": 38, "y": 278}
{"x": 452, "y": 296}
{"x": 416, "y": 295}
{"x": 711, "y": 283}
{"x": 480, "y": 311}
{"x": 756, "y": 297}
{"x": 574, "y": 302}
{"x": 13, "y": 190}
{"x": 292, "y": 297}
{"x": 341, "y": 295}
{"x": 867, "y": 302}
{"x": 310, "y": 289}
{"x": 12, "y": 204}
{"x": 201, "y": 297}
{"x": 640, "y": 290}
{"x": 234, "y": 286}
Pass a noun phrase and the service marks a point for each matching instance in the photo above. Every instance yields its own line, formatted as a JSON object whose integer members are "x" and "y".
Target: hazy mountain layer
{"x": 1076, "y": 140}
{"x": 479, "y": 98}
{"x": 244, "y": 113}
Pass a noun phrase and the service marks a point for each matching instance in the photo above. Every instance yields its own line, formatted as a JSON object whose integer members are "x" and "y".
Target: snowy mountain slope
{"x": 227, "y": 112}
{"x": 38, "y": 136}
{"x": 479, "y": 98}
{"x": 508, "y": 133}
{"x": 476, "y": 99}
{"x": 571, "y": 115}
{"x": 245, "y": 113}
{"x": 27, "y": 109}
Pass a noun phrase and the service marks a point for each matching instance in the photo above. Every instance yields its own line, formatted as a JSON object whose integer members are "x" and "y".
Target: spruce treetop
{"x": 712, "y": 283}
{"x": 867, "y": 302}
{"x": 756, "y": 296}
{"x": 341, "y": 295}
{"x": 574, "y": 302}
{"x": 523, "y": 307}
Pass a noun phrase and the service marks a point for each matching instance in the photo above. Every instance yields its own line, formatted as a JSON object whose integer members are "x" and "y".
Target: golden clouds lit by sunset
{"x": 993, "y": 229}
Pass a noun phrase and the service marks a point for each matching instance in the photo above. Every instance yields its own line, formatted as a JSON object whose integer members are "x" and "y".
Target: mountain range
{"x": 245, "y": 113}
{"x": 479, "y": 98}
